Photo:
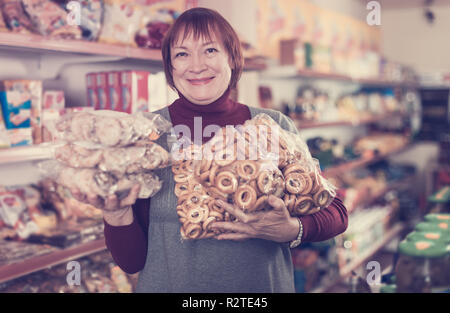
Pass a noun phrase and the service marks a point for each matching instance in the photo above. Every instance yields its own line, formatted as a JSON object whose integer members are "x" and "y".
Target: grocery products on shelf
{"x": 99, "y": 274}
{"x": 127, "y": 91}
{"x": 121, "y": 22}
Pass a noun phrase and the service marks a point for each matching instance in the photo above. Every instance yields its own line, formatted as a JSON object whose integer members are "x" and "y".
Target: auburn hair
{"x": 203, "y": 22}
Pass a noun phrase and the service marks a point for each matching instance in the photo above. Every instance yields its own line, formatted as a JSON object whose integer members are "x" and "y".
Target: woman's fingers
{"x": 132, "y": 196}
{"x": 236, "y": 212}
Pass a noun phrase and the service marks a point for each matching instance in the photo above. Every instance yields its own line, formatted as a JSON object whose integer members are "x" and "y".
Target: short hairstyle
{"x": 201, "y": 22}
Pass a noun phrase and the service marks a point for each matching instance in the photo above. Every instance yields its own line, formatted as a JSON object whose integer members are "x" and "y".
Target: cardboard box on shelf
{"x": 114, "y": 91}
{"x": 53, "y": 99}
{"x": 91, "y": 87}
{"x": 21, "y": 102}
{"x": 20, "y": 136}
{"x": 134, "y": 91}
{"x": 102, "y": 91}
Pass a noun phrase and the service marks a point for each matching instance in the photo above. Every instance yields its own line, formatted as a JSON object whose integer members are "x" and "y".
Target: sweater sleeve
{"x": 128, "y": 244}
{"x": 325, "y": 224}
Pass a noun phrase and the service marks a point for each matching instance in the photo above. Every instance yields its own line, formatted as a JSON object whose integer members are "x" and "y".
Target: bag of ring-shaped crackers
{"x": 243, "y": 165}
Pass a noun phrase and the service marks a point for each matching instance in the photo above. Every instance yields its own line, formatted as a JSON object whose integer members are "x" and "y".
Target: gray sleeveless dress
{"x": 209, "y": 265}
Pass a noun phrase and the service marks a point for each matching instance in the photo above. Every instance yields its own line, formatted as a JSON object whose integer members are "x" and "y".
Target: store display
{"x": 91, "y": 18}
{"x": 120, "y": 22}
{"x": 15, "y": 17}
{"x": 109, "y": 128}
{"x": 124, "y": 91}
{"x": 4, "y": 138}
{"x": 50, "y": 20}
{"x": 422, "y": 266}
{"x": 153, "y": 27}
{"x": 99, "y": 275}
{"x": 21, "y": 102}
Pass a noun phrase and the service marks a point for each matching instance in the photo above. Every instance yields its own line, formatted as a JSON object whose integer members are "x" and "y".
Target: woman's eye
{"x": 180, "y": 54}
{"x": 211, "y": 50}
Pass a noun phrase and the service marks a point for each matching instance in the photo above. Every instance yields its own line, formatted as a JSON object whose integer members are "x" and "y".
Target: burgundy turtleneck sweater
{"x": 124, "y": 241}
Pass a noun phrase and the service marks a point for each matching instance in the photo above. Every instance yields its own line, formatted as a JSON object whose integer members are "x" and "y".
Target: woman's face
{"x": 201, "y": 69}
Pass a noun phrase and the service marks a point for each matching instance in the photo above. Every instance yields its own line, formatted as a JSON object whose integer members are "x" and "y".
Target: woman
{"x": 203, "y": 62}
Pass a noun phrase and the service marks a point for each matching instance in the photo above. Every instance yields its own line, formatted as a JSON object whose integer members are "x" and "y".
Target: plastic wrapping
{"x": 106, "y": 152}
{"x": 49, "y": 19}
{"x": 15, "y": 17}
{"x": 100, "y": 183}
{"x": 243, "y": 165}
{"x": 143, "y": 156}
{"x": 120, "y": 22}
{"x": 91, "y": 18}
{"x": 108, "y": 128}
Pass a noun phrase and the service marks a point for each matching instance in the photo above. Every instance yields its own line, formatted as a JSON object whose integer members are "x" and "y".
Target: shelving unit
{"x": 25, "y": 154}
{"x": 290, "y": 72}
{"x": 303, "y": 124}
{"x": 34, "y": 264}
{"x": 348, "y": 166}
{"x": 345, "y": 271}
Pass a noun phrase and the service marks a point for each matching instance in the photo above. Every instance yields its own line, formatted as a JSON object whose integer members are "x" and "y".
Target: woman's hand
{"x": 116, "y": 212}
{"x": 275, "y": 225}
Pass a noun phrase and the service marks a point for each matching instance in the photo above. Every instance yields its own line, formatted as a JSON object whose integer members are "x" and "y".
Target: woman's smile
{"x": 200, "y": 81}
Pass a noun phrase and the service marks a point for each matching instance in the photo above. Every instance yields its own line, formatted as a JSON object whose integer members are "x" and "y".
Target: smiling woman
{"x": 203, "y": 62}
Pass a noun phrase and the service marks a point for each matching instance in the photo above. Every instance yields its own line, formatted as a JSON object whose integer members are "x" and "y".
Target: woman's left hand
{"x": 275, "y": 225}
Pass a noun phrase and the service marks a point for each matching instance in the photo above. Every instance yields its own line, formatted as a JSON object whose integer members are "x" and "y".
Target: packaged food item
{"x": 243, "y": 166}
{"x": 4, "y": 138}
{"x": 91, "y": 17}
{"x": 103, "y": 184}
{"x": 49, "y": 19}
{"x": 14, "y": 212}
{"x": 422, "y": 266}
{"x": 437, "y": 217}
{"x": 120, "y": 22}
{"x": 53, "y": 99}
{"x": 3, "y": 27}
{"x": 142, "y": 156}
{"x": 109, "y": 128}
{"x": 114, "y": 91}
{"x": 15, "y": 17}
{"x": 102, "y": 92}
{"x": 20, "y": 137}
{"x": 21, "y": 102}
{"x": 443, "y": 226}
{"x": 91, "y": 87}
{"x": 134, "y": 91}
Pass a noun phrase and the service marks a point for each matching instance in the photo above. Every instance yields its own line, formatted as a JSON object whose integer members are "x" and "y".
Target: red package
{"x": 102, "y": 91}
{"x": 91, "y": 86}
{"x": 114, "y": 91}
{"x": 134, "y": 91}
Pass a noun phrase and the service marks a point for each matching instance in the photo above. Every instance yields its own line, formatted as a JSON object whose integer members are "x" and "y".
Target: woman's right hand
{"x": 116, "y": 212}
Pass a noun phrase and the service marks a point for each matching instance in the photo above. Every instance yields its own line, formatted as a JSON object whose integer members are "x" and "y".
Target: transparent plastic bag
{"x": 243, "y": 165}
{"x": 108, "y": 128}
{"x": 142, "y": 156}
{"x": 100, "y": 183}
{"x": 306, "y": 190}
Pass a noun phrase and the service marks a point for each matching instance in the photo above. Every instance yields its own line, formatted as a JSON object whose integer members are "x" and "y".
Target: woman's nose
{"x": 197, "y": 64}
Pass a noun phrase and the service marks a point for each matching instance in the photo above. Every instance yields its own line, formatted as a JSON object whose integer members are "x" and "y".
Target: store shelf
{"x": 346, "y": 270}
{"x": 25, "y": 154}
{"x": 303, "y": 124}
{"x": 39, "y": 43}
{"x": 290, "y": 72}
{"x": 348, "y": 166}
{"x": 34, "y": 264}
{"x": 391, "y": 234}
